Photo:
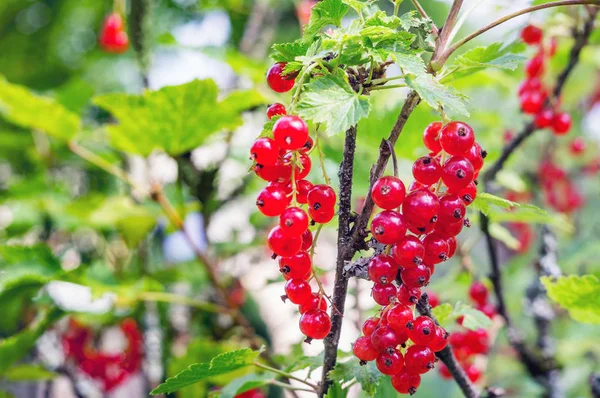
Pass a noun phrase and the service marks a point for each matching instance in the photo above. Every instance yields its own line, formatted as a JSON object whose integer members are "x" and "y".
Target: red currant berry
{"x": 308, "y": 145}
{"x": 315, "y": 324}
{"x": 303, "y": 169}
{"x": 452, "y": 209}
{"x": 448, "y": 230}
{"x": 390, "y": 362}
{"x": 409, "y": 252}
{"x": 420, "y": 209}
{"x": 293, "y": 221}
{"x": 296, "y": 265}
{"x": 315, "y": 302}
{"x": 264, "y": 151}
{"x": 388, "y": 192}
{"x": 561, "y": 123}
{"x": 298, "y": 291}
{"x": 457, "y": 138}
{"x": 543, "y": 119}
{"x": 415, "y": 185}
{"x": 382, "y": 269}
{"x": 290, "y": 132}
{"x": 427, "y": 170}
{"x": 408, "y": 295}
{"x": 431, "y": 137}
{"x": 532, "y": 102}
{"x": 303, "y": 187}
{"x": 421, "y": 330}
{"x": 476, "y": 156}
{"x": 383, "y": 338}
{"x": 415, "y": 277}
{"x": 383, "y": 294}
{"x": 363, "y": 349}
{"x": 322, "y": 216}
{"x": 418, "y": 359}
{"x": 440, "y": 339}
{"x": 388, "y": 227}
{"x": 283, "y": 245}
{"x": 531, "y": 35}
{"x": 577, "y": 146}
{"x": 452, "y": 246}
{"x": 321, "y": 196}
{"x": 277, "y": 81}
{"x": 436, "y": 249}
{"x": 113, "y": 37}
{"x": 468, "y": 194}
{"x": 478, "y": 292}
{"x": 488, "y": 309}
{"x": 398, "y": 316}
{"x": 275, "y": 110}
{"x": 370, "y": 325}
{"x": 457, "y": 173}
{"x": 535, "y": 66}
{"x": 531, "y": 84}
{"x": 473, "y": 373}
{"x": 444, "y": 371}
{"x": 280, "y": 172}
{"x": 406, "y": 383}
{"x": 272, "y": 201}
{"x": 307, "y": 240}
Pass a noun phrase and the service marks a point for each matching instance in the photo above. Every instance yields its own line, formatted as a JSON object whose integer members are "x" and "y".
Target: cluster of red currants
{"x": 109, "y": 369}
{"x": 434, "y": 212}
{"x": 113, "y": 36}
{"x": 558, "y": 188}
{"x": 284, "y": 162}
{"x": 533, "y": 94}
{"x": 469, "y": 343}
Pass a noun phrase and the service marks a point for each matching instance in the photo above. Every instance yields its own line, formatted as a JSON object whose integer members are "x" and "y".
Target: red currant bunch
{"x": 532, "y": 91}
{"x": 113, "y": 35}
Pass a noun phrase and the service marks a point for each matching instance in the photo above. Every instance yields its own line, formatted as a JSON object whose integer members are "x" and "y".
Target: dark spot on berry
{"x": 421, "y": 280}
{"x": 457, "y": 214}
{"x": 412, "y": 390}
{"x": 462, "y": 132}
{"x": 308, "y": 340}
{"x": 430, "y": 365}
{"x": 312, "y": 223}
{"x": 385, "y": 189}
{"x": 427, "y": 160}
{"x": 476, "y": 182}
{"x": 316, "y": 206}
{"x": 460, "y": 173}
{"x": 443, "y": 256}
{"x": 417, "y": 260}
{"x": 388, "y": 362}
{"x": 379, "y": 230}
{"x": 409, "y": 325}
{"x": 362, "y": 363}
{"x": 422, "y": 229}
{"x": 467, "y": 223}
{"x": 426, "y": 331}
{"x": 483, "y": 154}
{"x": 467, "y": 198}
{"x": 433, "y": 219}
{"x": 260, "y": 202}
{"x": 289, "y": 223}
{"x": 284, "y": 297}
{"x": 273, "y": 256}
{"x": 285, "y": 269}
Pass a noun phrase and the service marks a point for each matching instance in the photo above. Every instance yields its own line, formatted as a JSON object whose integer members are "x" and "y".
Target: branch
{"x": 437, "y": 60}
{"x": 447, "y": 355}
{"x": 423, "y": 13}
{"x": 140, "y": 37}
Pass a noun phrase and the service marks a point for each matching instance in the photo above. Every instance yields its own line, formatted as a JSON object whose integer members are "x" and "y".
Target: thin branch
{"x": 423, "y": 13}
{"x": 437, "y": 60}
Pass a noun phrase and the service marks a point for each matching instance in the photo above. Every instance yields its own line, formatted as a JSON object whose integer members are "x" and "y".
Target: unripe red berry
{"x": 409, "y": 252}
{"x": 363, "y": 349}
{"x": 531, "y": 35}
{"x": 290, "y": 132}
{"x": 298, "y": 291}
{"x": 388, "y": 192}
{"x": 293, "y": 221}
{"x": 383, "y": 294}
{"x": 406, "y": 383}
{"x": 388, "y": 227}
{"x": 390, "y": 362}
{"x": 457, "y": 173}
{"x": 427, "y": 170}
{"x": 457, "y": 138}
{"x": 418, "y": 359}
{"x": 431, "y": 137}
{"x": 272, "y": 201}
{"x": 315, "y": 324}
{"x": 382, "y": 269}
{"x": 275, "y": 110}
{"x": 277, "y": 81}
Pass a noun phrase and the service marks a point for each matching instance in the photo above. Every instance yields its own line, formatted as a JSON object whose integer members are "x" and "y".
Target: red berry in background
{"x": 363, "y": 349}
{"x": 303, "y": 10}
{"x": 444, "y": 371}
{"x": 408, "y": 295}
{"x": 473, "y": 373}
{"x": 383, "y": 294}
{"x": 476, "y": 156}
{"x": 409, "y": 252}
{"x": 293, "y": 221}
{"x": 303, "y": 187}
{"x": 321, "y": 196}
{"x": 440, "y": 339}
{"x": 298, "y": 291}
{"x": 543, "y": 119}
{"x": 388, "y": 227}
{"x": 276, "y": 109}
{"x": 488, "y": 309}
{"x": 383, "y": 338}
{"x": 398, "y": 316}
{"x": 535, "y": 66}
{"x": 420, "y": 208}
{"x": 264, "y": 151}
{"x": 406, "y": 383}
{"x": 431, "y": 137}
{"x": 531, "y": 35}
{"x": 283, "y": 245}
{"x": 290, "y": 132}
{"x": 457, "y": 138}
{"x": 532, "y": 102}
{"x": 452, "y": 209}
{"x": 434, "y": 300}
{"x": 530, "y": 84}
{"x": 388, "y": 192}
{"x": 297, "y": 265}
{"x": 315, "y": 302}
{"x": 382, "y": 269}
{"x": 418, "y": 359}
{"x": 322, "y": 216}
{"x": 468, "y": 194}
{"x": 457, "y": 173}
{"x": 478, "y": 292}
{"x": 415, "y": 277}
{"x": 427, "y": 170}
{"x": 307, "y": 240}
{"x": 281, "y": 171}
{"x": 561, "y": 123}
{"x": 113, "y": 37}
{"x": 272, "y": 201}
{"x": 315, "y": 324}
{"x": 277, "y": 81}
{"x": 370, "y": 325}
{"x": 421, "y": 330}
{"x": 577, "y": 146}
{"x": 390, "y": 362}
{"x": 436, "y": 249}
{"x": 255, "y": 393}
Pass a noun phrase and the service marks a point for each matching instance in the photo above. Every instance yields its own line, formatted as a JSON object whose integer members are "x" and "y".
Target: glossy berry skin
{"x": 293, "y": 221}
{"x": 113, "y": 37}
{"x": 452, "y": 209}
{"x": 420, "y": 208}
{"x": 290, "y": 132}
{"x": 388, "y": 227}
{"x": 283, "y": 245}
{"x": 415, "y": 277}
{"x": 315, "y": 324}
{"x": 431, "y": 137}
{"x": 398, "y": 316}
{"x": 383, "y": 338}
{"x": 321, "y": 196}
{"x": 457, "y": 138}
{"x": 315, "y": 302}
{"x": 535, "y": 66}
{"x": 277, "y": 81}
{"x": 473, "y": 373}
{"x": 383, "y": 294}
{"x": 418, "y": 359}
{"x": 468, "y": 194}
{"x": 297, "y": 265}
{"x": 531, "y": 35}
{"x": 421, "y": 330}
{"x": 382, "y": 269}
{"x": 406, "y": 383}
{"x": 476, "y": 156}
{"x": 302, "y": 166}
{"x": 530, "y": 84}
{"x": 427, "y": 170}
{"x": 276, "y": 109}
{"x": 298, "y": 291}
{"x": 272, "y": 201}
{"x": 561, "y": 123}
{"x": 436, "y": 249}
{"x": 303, "y": 187}
{"x": 370, "y": 325}
{"x": 409, "y": 252}
{"x": 448, "y": 230}
{"x": 532, "y": 102}
{"x": 322, "y": 216}
{"x": 388, "y": 192}
{"x": 281, "y": 171}
{"x": 452, "y": 246}
{"x": 390, "y": 362}
{"x": 307, "y": 240}
{"x": 363, "y": 349}
{"x": 407, "y": 295}
{"x": 457, "y": 173}
{"x": 440, "y": 339}
{"x": 478, "y": 292}
{"x": 264, "y": 151}
{"x": 543, "y": 119}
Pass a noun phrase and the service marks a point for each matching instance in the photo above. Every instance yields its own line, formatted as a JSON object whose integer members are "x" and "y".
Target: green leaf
{"x": 484, "y": 200}
{"x": 311, "y": 362}
{"x": 327, "y": 12}
{"x": 473, "y": 319}
{"x": 175, "y": 119}
{"x": 367, "y": 375}
{"x": 221, "y": 364}
{"x": 498, "y": 232}
{"x": 580, "y": 295}
{"x": 436, "y": 94}
{"x": 495, "y": 55}
{"x": 243, "y": 384}
{"x": 5, "y": 394}
{"x": 380, "y": 18}
{"x": 330, "y": 100}
{"x": 27, "y": 372}
{"x": 287, "y": 52}
{"x": 20, "y": 106}
{"x": 410, "y": 20}
{"x": 358, "y": 5}
{"x": 442, "y": 312}
{"x": 385, "y": 388}
{"x": 410, "y": 64}
{"x": 336, "y": 391}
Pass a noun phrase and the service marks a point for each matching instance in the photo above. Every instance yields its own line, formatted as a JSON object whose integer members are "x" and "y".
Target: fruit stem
{"x": 439, "y": 183}
{"x": 375, "y": 82}
{"x": 294, "y": 167}
{"x": 300, "y": 84}
{"x": 321, "y": 157}
{"x": 394, "y": 158}
{"x": 285, "y": 374}
{"x": 386, "y": 87}
{"x": 289, "y": 387}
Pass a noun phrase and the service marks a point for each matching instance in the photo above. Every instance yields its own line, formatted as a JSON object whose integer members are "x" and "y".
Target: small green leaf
{"x": 287, "y": 52}
{"x": 20, "y": 106}
{"x": 221, "y": 364}
{"x": 336, "y": 391}
{"x": 410, "y": 20}
{"x": 483, "y": 201}
{"x": 442, "y": 312}
{"x": 436, "y": 94}
{"x": 473, "y": 319}
{"x": 25, "y": 372}
{"x": 327, "y": 12}
{"x": 385, "y": 388}
{"x": 358, "y": 5}
{"x": 330, "y": 100}
{"x": 367, "y": 375}
{"x": 495, "y": 55}
{"x": 380, "y": 18}
{"x": 580, "y": 295}
{"x": 243, "y": 384}
{"x": 498, "y": 232}
{"x": 311, "y": 362}
{"x": 410, "y": 64}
